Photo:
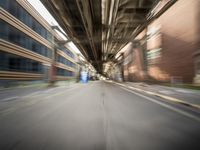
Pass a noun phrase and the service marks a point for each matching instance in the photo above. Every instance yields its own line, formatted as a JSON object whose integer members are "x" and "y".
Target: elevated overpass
{"x": 101, "y": 28}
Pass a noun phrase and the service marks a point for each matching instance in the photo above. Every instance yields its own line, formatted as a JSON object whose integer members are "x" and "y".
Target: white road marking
{"x": 60, "y": 92}
{"x": 32, "y": 94}
{"x": 172, "y": 99}
{"x": 165, "y": 105}
{"x": 31, "y": 102}
{"x": 185, "y": 91}
{"x": 166, "y": 92}
{"x": 9, "y": 98}
{"x": 49, "y": 90}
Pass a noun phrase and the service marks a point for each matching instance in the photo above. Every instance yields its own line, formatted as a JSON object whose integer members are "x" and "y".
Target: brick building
{"x": 168, "y": 48}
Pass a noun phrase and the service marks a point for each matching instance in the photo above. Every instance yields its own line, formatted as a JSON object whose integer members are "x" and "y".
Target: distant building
{"x": 66, "y": 61}
{"x": 27, "y": 46}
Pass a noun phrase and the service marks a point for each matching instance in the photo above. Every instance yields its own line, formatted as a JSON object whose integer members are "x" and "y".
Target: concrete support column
{"x": 52, "y": 70}
{"x": 122, "y": 67}
{"x": 197, "y": 53}
{"x": 197, "y": 68}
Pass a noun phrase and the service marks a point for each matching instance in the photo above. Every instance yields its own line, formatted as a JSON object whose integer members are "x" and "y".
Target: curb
{"x": 20, "y": 87}
{"x": 172, "y": 99}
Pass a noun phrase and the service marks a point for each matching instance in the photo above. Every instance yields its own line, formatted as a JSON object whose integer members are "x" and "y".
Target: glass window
{"x": 63, "y": 72}
{"x": 4, "y": 31}
{"x": 65, "y": 61}
{"x": 13, "y": 35}
{"x": 66, "y": 51}
{"x": 11, "y": 62}
{"x": 20, "y": 13}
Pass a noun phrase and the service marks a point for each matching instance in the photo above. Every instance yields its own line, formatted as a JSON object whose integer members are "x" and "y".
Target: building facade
{"x": 27, "y": 46}
{"x": 168, "y": 48}
{"x": 66, "y": 60}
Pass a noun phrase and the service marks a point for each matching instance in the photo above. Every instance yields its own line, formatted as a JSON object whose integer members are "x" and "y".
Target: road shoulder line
{"x": 164, "y": 105}
{"x": 169, "y": 98}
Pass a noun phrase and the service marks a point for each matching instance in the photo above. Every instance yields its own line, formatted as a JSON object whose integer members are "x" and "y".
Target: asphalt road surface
{"x": 94, "y": 116}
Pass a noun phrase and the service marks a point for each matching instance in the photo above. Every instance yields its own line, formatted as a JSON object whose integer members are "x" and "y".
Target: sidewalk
{"x": 42, "y": 84}
{"x": 187, "y": 95}
{"x": 15, "y": 93}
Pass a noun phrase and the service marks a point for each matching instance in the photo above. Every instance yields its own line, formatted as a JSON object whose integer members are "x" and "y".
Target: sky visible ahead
{"x": 49, "y": 18}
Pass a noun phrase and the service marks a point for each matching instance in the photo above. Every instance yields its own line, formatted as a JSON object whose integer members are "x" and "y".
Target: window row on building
{"x": 66, "y": 51}
{"x": 15, "y": 9}
{"x": 65, "y": 61}
{"x": 19, "y": 62}
{"x": 63, "y": 72}
{"x": 13, "y": 35}
{"x": 10, "y": 62}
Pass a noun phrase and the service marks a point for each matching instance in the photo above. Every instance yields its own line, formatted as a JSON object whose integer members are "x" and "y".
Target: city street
{"x": 98, "y": 115}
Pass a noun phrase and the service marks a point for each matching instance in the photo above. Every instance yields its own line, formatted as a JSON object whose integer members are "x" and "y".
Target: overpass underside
{"x": 101, "y": 28}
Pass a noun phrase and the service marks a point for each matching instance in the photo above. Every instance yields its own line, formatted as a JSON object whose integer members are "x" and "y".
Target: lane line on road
{"x": 6, "y": 111}
{"x": 31, "y": 102}
{"x": 32, "y": 94}
{"x": 172, "y": 99}
{"x": 40, "y": 93}
{"x": 164, "y": 105}
{"x": 56, "y": 94}
{"x": 9, "y": 98}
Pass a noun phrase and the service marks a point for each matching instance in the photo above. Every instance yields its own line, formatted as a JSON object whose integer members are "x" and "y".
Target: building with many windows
{"x": 28, "y": 49}
{"x": 65, "y": 59}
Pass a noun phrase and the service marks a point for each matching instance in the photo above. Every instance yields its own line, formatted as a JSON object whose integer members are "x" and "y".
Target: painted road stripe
{"x": 9, "y": 98}
{"x": 50, "y": 96}
{"x": 165, "y": 105}
{"x": 31, "y": 102}
{"x": 172, "y": 99}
